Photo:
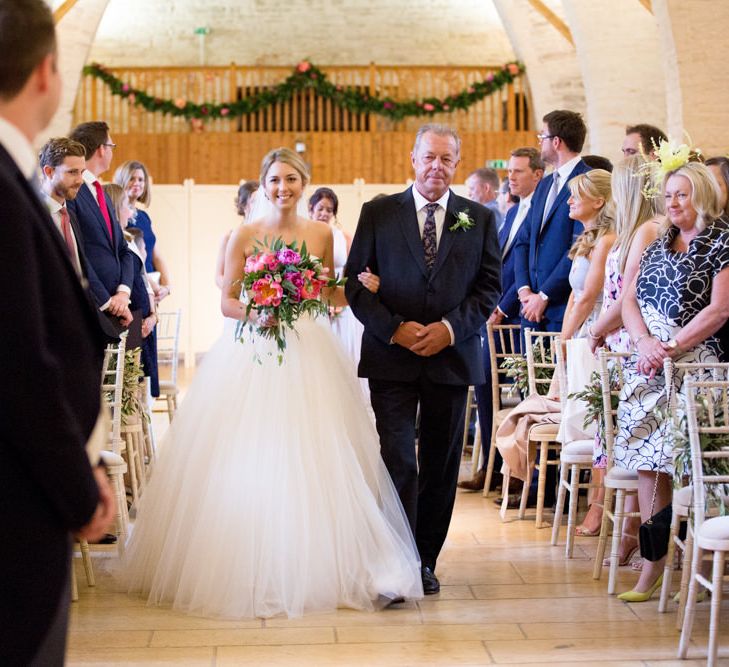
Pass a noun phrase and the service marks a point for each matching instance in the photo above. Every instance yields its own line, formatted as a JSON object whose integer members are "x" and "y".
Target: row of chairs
{"x": 131, "y": 449}
{"x": 574, "y": 458}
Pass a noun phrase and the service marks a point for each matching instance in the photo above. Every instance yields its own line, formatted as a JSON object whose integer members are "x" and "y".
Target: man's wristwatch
{"x": 673, "y": 344}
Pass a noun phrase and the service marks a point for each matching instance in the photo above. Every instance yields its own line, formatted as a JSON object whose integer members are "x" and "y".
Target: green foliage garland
{"x": 308, "y": 76}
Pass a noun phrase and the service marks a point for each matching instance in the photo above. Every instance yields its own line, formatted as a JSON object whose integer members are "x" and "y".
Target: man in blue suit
{"x": 541, "y": 264}
{"x": 438, "y": 258}
{"x": 109, "y": 261}
{"x": 525, "y": 171}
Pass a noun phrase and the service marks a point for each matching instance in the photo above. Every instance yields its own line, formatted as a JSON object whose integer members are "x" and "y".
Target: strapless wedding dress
{"x": 270, "y": 496}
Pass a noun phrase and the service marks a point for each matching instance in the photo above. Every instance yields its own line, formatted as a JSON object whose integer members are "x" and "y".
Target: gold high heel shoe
{"x": 635, "y": 596}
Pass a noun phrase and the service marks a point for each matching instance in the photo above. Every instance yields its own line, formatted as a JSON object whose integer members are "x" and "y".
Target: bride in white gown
{"x": 270, "y": 496}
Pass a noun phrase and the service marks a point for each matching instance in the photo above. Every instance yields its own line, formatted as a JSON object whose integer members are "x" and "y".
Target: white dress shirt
{"x": 420, "y": 204}
{"x": 521, "y": 214}
{"x": 19, "y": 148}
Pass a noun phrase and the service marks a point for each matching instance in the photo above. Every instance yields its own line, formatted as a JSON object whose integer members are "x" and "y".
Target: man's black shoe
{"x": 431, "y": 585}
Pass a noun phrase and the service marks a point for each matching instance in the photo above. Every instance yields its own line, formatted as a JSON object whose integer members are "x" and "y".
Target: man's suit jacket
{"x": 109, "y": 260}
{"x": 540, "y": 253}
{"x": 110, "y": 325}
{"x": 50, "y": 356}
{"x": 462, "y": 287}
{"x": 509, "y": 302}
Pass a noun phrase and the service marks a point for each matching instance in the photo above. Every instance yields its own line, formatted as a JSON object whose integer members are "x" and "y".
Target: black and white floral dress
{"x": 672, "y": 288}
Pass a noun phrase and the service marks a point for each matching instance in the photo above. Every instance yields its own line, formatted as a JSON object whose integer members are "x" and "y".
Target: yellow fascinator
{"x": 669, "y": 156}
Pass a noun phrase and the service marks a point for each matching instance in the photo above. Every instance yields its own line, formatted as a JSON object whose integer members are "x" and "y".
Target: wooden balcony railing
{"x": 505, "y": 110}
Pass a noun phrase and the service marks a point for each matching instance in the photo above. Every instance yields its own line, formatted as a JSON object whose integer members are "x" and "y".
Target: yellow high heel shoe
{"x": 635, "y": 596}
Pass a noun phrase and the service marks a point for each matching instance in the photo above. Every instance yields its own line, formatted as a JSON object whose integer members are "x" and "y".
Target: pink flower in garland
{"x": 125, "y": 88}
{"x": 267, "y": 292}
{"x": 446, "y": 107}
{"x": 180, "y": 103}
{"x": 428, "y": 107}
{"x": 132, "y": 98}
{"x": 224, "y": 111}
{"x": 388, "y": 105}
{"x": 490, "y": 77}
{"x": 513, "y": 68}
{"x": 303, "y": 67}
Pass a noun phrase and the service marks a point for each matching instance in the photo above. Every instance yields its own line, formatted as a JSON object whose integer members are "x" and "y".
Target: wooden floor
{"x": 507, "y": 597}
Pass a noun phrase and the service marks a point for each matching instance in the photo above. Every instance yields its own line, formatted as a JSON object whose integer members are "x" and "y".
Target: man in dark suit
{"x": 62, "y": 163}
{"x": 526, "y": 169}
{"x": 50, "y": 355}
{"x": 438, "y": 260}
{"x": 541, "y": 264}
{"x": 110, "y": 263}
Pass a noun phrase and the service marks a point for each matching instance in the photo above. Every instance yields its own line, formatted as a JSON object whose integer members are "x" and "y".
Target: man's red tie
{"x": 102, "y": 205}
{"x": 68, "y": 237}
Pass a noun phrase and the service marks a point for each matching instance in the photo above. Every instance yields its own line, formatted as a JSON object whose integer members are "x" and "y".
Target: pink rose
{"x": 224, "y": 111}
{"x": 125, "y": 88}
{"x": 303, "y": 66}
{"x": 288, "y": 256}
{"x": 428, "y": 107}
{"x": 388, "y": 105}
{"x": 180, "y": 103}
{"x": 267, "y": 292}
{"x": 490, "y": 77}
{"x": 513, "y": 68}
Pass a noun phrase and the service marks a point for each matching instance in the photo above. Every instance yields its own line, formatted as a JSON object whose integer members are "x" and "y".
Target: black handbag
{"x": 655, "y": 533}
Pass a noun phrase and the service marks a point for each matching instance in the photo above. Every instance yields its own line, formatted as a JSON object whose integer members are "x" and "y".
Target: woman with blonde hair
{"x": 133, "y": 178}
{"x": 632, "y": 210}
{"x": 673, "y": 308}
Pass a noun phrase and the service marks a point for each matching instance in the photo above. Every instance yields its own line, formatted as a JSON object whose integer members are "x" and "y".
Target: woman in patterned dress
{"x": 673, "y": 309}
{"x": 636, "y": 226}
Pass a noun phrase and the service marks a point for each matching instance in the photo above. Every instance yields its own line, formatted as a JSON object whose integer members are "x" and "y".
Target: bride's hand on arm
{"x": 370, "y": 280}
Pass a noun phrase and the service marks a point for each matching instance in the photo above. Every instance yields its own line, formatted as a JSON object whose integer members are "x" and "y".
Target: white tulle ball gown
{"x": 270, "y": 496}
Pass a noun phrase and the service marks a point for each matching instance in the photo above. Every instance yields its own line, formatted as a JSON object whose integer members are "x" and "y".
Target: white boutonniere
{"x": 464, "y": 222}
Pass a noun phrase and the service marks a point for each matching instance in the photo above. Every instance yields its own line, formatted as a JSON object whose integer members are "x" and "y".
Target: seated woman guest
{"x": 632, "y": 212}
{"x": 133, "y": 177}
{"x": 673, "y": 309}
{"x": 142, "y": 299}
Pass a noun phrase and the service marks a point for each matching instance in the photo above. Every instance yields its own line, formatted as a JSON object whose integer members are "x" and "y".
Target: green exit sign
{"x": 497, "y": 164}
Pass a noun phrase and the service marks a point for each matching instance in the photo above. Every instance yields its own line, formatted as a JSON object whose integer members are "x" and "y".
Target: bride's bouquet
{"x": 282, "y": 282}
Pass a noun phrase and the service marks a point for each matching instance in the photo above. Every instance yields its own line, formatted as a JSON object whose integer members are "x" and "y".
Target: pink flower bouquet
{"x": 283, "y": 283}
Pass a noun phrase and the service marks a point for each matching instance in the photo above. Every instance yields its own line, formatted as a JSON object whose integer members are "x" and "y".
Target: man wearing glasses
{"x": 541, "y": 264}
{"x": 109, "y": 261}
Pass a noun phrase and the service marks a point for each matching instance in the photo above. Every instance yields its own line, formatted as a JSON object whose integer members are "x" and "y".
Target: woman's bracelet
{"x": 640, "y": 338}
{"x": 591, "y": 334}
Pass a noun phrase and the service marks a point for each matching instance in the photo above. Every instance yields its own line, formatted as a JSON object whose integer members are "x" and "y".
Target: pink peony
{"x": 125, "y": 88}
{"x": 271, "y": 261}
{"x": 267, "y": 292}
{"x": 303, "y": 66}
{"x": 490, "y": 77}
{"x": 288, "y": 256}
{"x": 428, "y": 107}
{"x": 224, "y": 111}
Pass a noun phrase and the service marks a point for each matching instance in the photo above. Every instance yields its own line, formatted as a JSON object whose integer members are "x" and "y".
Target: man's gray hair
{"x": 439, "y": 129}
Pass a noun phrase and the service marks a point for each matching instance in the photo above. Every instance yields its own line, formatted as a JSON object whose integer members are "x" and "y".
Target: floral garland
{"x": 308, "y": 76}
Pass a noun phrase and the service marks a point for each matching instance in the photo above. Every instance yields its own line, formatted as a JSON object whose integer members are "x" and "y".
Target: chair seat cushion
{"x": 682, "y": 500}
{"x": 714, "y": 534}
{"x": 620, "y": 478}
{"x": 543, "y": 432}
{"x": 577, "y": 451}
